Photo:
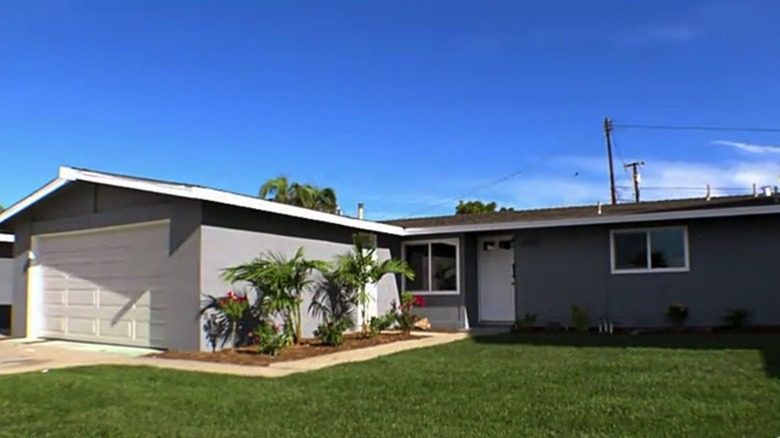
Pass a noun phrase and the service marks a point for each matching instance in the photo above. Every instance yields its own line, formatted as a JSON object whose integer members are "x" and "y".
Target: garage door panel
{"x": 81, "y": 326}
{"x": 119, "y": 329}
{"x": 106, "y": 286}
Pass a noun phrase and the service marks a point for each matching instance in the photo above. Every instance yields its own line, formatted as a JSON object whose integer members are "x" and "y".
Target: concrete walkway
{"x": 19, "y": 356}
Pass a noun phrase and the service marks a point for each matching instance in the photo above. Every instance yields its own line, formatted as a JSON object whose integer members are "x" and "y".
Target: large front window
{"x": 435, "y": 266}
{"x": 650, "y": 250}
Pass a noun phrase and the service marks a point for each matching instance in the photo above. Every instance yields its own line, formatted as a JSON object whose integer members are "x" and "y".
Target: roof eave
{"x": 596, "y": 220}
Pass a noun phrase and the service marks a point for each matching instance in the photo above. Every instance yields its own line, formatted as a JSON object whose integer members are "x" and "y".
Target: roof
{"x": 68, "y": 175}
{"x": 585, "y": 211}
{"x": 510, "y": 220}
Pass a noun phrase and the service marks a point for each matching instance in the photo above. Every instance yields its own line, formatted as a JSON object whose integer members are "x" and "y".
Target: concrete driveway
{"x": 23, "y": 355}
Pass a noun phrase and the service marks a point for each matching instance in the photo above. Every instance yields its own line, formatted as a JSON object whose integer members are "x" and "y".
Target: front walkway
{"x": 19, "y": 356}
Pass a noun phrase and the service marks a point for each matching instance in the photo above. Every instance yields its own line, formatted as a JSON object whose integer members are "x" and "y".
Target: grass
{"x": 524, "y": 386}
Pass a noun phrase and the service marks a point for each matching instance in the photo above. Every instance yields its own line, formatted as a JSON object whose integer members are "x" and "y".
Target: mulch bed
{"x": 309, "y": 348}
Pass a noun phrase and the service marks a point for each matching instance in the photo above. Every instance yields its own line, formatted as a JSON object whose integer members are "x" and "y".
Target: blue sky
{"x": 404, "y": 105}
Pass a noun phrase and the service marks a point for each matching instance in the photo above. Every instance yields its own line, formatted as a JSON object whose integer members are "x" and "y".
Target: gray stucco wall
{"x": 732, "y": 264}
{"x": 224, "y": 247}
{"x": 81, "y": 206}
{"x": 454, "y": 311}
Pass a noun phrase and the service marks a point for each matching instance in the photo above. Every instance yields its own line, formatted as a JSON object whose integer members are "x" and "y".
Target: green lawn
{"x": 520, "y": 386}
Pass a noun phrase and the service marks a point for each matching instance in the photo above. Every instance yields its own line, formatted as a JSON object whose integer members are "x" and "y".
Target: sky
{"x": 407, "y": 106}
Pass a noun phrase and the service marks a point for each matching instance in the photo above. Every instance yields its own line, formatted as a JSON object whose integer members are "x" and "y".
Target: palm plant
{"x": 280, "y": 283}
{"x": 360, "y": 268}
{"x": 334, "y": 299}
{"x": 281, "y": 190}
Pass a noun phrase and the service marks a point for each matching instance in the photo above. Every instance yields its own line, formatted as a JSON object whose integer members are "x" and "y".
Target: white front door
{"x": 496, "y": 278}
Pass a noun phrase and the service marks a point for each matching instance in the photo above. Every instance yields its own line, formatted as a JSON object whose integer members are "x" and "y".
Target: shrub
{"x": 272, "y": 338}
{"x": 524, "y": 323}
{"x": 736, "y": 318}
{"x": 405, "y": 316}
{"x": 223, "y": 317}
{"x": 379, "y": 324}
{"x": 677, "y": 314}
{"x": 332, "y": 332}
{"x": 579, "y": 318}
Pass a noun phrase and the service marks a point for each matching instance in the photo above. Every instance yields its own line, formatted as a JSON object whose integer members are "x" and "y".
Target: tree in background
{"x": 281, "y": 190}
{"x": 479, "y": 207}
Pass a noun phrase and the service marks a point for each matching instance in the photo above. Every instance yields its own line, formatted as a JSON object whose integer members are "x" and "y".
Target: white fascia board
{"x": 598, "y": 220}
{"x": 33, "y": 198}
{"x": 218, "y": 196}
{"x": 7, "y": 238}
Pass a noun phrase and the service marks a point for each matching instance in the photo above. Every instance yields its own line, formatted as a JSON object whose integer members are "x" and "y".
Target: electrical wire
{"x": 697, "y": 128}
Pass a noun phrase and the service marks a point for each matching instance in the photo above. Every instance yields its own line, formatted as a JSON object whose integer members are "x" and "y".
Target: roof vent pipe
{"x": 598, "y": 206}
{"x": 709, "y": 193}
{"x": 361, "y": 209}
{"x": 755, "y": 189}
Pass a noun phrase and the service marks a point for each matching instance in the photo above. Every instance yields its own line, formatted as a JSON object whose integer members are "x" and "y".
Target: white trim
{"x": 33, "y": 198}
{"x": 7, "y": 238}
{"x": 221, "y": 197}
{"x": 449, "y": 241}
{"x": 200, "y": 193}
{"x": 649, "y": 269}
{"x": 34, "y": 298}
{"x": 598, "y": 220}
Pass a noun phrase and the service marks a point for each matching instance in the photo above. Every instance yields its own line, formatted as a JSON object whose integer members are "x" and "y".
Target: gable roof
{"x": 690, "y": 208}
{"x": 68, "y": 175}
{"x": 511, "y": 220}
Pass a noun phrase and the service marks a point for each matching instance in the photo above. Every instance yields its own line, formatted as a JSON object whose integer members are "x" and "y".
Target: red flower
{"x": 222, "y": 302}
{"x": 419, "y": 301}
{"x": 230, "y": 294}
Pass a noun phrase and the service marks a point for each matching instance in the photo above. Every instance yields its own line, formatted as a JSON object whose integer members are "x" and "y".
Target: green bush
{"x": 737, "y": 318}
{"x": 677, "y": 314}
{"x": 332, "y": 332}
{"x": 579, "y": 318}
{"x": 528, "y": 321}
{"x": 405, "y": 316}
{"x": 272, "y": 338}
{"x": 379, "y": 324}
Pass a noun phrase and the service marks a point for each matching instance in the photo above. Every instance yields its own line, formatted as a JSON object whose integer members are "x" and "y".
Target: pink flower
{"x": 277, "y": 326}
{"x": 230, "y": 294}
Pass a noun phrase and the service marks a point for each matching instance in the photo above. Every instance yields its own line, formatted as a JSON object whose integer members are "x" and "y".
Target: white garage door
{"x": 105, "y": 285}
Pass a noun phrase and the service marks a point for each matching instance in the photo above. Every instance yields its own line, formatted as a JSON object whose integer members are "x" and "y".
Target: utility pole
{"x": 608, "y": 136}
{"x": 635, "y": 172}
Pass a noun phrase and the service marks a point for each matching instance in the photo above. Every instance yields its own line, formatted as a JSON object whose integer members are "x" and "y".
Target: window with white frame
{"x": 650, "y": 250}
{"x": 435, "y": 266}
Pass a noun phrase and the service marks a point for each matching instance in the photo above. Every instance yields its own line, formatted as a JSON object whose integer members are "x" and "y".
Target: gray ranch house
{"x": 115, "y": 259}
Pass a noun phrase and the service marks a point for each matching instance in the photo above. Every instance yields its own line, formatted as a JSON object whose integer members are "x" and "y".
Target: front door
{"x": 496, "y": 279}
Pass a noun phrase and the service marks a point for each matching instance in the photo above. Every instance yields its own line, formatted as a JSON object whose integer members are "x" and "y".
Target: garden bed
{"x": 309, "y": 348}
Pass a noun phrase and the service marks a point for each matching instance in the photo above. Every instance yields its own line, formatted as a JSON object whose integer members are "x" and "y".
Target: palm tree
{"x": 360, "y": 268}
{"x": 280, "y": 283}
{"x": 281, "y": 190}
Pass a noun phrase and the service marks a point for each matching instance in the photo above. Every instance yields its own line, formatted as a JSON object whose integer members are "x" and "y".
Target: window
{"x": 435, "y": 266}
{"x": 651, "y": 250}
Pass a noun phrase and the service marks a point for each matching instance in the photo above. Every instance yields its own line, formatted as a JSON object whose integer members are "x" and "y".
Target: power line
{"x": 697, "y": 128}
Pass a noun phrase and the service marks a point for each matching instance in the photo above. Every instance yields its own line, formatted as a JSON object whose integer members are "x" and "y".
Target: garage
{"x": 107, "y": 285}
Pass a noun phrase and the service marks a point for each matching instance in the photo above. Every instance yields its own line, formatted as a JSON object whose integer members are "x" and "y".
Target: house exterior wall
{"x": 731, "y": 265}
{"x": 83, "y": 206}
{"x": 447, "y": 310}
{"x": 232, "y": 236}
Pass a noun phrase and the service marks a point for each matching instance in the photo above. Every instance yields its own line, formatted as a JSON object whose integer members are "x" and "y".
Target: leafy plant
{"x": 280, "y": 283}
{"x": 405, "y": 316}
{"x": 378, "y": 324}
{"x": 360, "y": 268}
{"x": 737, "y": 318}
{"x": 526, "y": 322}
{"x": 271, "y": 338}
{"x": 225, "y": 316}
{"x": 677, "y": 314}
{"x": 332, "y": 332}
{"x": 281, "y": 190}
{"x": 334, "y": 298}
{"x": 579, "y": 318}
